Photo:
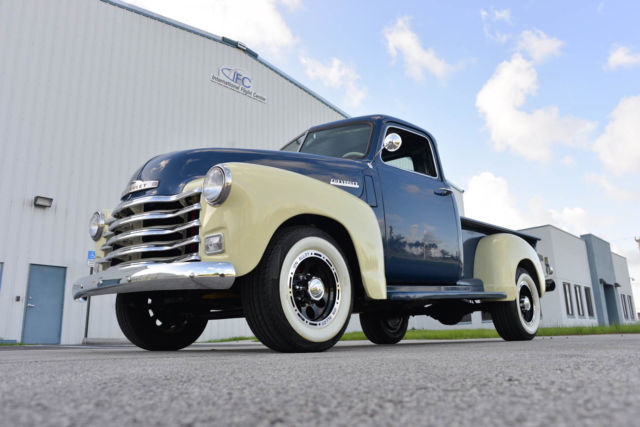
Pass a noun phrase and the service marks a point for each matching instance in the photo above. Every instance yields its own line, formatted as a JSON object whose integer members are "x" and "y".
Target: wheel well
{"x": 342, "y": 237}
{"x": 527, "y": 264}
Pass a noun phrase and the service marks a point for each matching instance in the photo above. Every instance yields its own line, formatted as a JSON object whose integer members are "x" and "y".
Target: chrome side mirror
{"x": 392, "y": 142}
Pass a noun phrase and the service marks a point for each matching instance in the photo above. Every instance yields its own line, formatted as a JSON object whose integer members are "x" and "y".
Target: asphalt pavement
{"x": 585, "y": 381}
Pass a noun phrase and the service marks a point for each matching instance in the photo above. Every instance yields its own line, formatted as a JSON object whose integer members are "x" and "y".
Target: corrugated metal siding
{"x": 88, "y": 92}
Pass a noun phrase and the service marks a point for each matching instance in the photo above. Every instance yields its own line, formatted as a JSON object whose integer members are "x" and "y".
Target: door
{"x": 44, "y": 302}
{"x": 422, "y": 242}
{"x": 611, "y": 300}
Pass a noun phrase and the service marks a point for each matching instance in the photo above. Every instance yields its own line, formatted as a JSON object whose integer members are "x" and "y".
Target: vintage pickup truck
{"x": 354, "y": 216}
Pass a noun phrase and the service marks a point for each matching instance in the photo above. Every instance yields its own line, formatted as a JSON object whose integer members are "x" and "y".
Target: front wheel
{"x": 384, "y": 328}
{"x": 518, "y": 320}
{"x": 299, "y": 298}
{"x": 151, "y": 323}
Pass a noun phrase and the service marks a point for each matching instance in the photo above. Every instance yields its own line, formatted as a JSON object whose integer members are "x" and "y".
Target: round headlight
{"x": 217, "y": 185}
{"x": 96, "y": 225}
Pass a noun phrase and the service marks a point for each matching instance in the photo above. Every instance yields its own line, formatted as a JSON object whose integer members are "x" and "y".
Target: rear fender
{"x": 497, "y": 259}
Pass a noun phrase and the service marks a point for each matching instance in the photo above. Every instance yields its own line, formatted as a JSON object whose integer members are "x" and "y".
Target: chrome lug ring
{"x": 314, "y": 288}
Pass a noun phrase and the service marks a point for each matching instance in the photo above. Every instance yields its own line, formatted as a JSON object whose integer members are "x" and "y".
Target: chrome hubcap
{"x": 316, "y": 288}
{"x": 525, "y": 304}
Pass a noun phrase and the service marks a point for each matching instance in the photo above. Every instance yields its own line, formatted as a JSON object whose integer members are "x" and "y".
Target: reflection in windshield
{"x": 349, "y": 142}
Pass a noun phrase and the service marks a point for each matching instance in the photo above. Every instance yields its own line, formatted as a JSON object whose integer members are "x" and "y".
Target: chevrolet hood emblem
{"x": 139, "y": 186}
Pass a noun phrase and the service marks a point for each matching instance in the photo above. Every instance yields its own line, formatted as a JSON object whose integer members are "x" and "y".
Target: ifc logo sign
{"x": 238, "y": 80}
{"x": 237, "y": 76}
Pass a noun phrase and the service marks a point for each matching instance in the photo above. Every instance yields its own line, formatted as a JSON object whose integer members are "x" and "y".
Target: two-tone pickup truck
{"x": 354, "y": 216}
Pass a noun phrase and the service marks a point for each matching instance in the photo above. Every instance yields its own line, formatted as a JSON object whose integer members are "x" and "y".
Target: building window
{"x": 579, "y": 300}
{"x": 466, "y": 318}
{"x": 588, "y": 301}
{"x": 567, "y": 298}
{"x": 486, "y": 316}
{"x": 624, "y": 306}
{"x": 632, "y": 314}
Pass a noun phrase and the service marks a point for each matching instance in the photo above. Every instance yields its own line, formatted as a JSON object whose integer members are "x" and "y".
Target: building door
{"x": 611, "y": 299}
{"x": 44, "y": 302}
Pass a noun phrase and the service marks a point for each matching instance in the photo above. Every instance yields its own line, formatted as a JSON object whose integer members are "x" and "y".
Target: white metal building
{"x": 592, "y": 283}
{"x": 89, "y": 90}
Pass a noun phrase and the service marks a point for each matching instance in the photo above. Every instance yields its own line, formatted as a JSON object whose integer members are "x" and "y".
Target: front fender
{"x": 496, "y": 261}
{"x": 262, "y": 198}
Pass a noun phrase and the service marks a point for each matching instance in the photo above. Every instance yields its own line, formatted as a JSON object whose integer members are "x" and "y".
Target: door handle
{"x": 443, "y": 191}
{"x": 30, "y": 305}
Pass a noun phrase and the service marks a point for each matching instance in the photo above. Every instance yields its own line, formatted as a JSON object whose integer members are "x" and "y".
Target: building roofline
{"x": 224, "y": 40}
{"x": 554, "y": 227}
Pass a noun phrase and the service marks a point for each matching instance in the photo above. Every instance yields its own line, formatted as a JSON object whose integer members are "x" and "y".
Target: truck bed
{"x": 473, "y": 230}
{"x": 486, "y": 229}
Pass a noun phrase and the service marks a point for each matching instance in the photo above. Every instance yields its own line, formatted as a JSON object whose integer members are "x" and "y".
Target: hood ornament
{"x": 139, "y": 186}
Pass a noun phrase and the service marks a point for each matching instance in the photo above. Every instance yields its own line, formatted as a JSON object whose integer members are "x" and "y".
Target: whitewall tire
{"x": 300, "y": 297}
{"x": 519, "y": 319}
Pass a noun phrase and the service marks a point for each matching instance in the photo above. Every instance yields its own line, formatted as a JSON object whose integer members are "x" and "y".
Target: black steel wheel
{"x": 151, "y": 323}
{"x": 384, "y": 328}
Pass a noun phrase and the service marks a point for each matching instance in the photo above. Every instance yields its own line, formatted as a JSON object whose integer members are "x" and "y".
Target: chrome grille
{"x": 153, "y": 228}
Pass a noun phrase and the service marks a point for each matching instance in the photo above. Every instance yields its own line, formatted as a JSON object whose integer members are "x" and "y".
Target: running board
{"x": 474, "y": 291}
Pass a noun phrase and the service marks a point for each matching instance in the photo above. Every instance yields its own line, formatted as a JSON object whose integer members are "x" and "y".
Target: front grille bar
{"x": 152, "y": 215}
{"x": 179, "y": 258}
{"x": 153, "y": 199}
{"x": 140, "y": 249}
{"x": 155, "y": 231}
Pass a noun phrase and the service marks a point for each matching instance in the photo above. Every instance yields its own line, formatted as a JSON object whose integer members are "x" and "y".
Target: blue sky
{"x": 535, "y": 104}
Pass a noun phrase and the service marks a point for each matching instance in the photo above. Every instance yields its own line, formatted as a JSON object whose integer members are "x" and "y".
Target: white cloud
{"x": 488, "y": 198}
{"x": 619, "y": 147}
{"x": 291, "y": 4}
{"x": 401, "y": 40}
{"x": 257, "y": 23}
{"x": 568, "y": 160}
{"x": 622, "y": 56}
{"x": 529, "y": 134}
{"x": 538, "y": 45}
{"x": 490, "y": 18}
{"x": 610, "y": 189}
{"x": 336, "y": 75}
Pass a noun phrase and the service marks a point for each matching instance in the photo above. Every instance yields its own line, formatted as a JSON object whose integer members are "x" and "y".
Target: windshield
{"x": 295, "y": 144}
{"x": 348, "y": 142}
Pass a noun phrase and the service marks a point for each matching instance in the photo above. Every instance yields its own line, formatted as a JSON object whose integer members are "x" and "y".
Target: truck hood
{"x": 174, "y": 170}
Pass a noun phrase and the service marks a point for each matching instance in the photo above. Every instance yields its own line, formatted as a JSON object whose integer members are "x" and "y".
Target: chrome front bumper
{"x": 157, "y": 277}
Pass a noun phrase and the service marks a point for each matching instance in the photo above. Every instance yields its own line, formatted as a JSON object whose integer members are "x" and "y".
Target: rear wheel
{"x": 299, "y": 298}
{"x": 518, "y": 320}
{"x": 384, "y": 328}
{"x": 149, "y": 322}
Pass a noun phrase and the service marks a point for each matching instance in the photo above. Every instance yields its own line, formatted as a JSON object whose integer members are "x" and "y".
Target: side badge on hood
{"x": 139, "y": 186}
{"x": 344, "y": 183}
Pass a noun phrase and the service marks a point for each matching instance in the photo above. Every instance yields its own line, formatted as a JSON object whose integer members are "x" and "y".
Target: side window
{"x": 567, "y": 298}
{"x": 414, "y": 155}
{"x": 402, "y": 163}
